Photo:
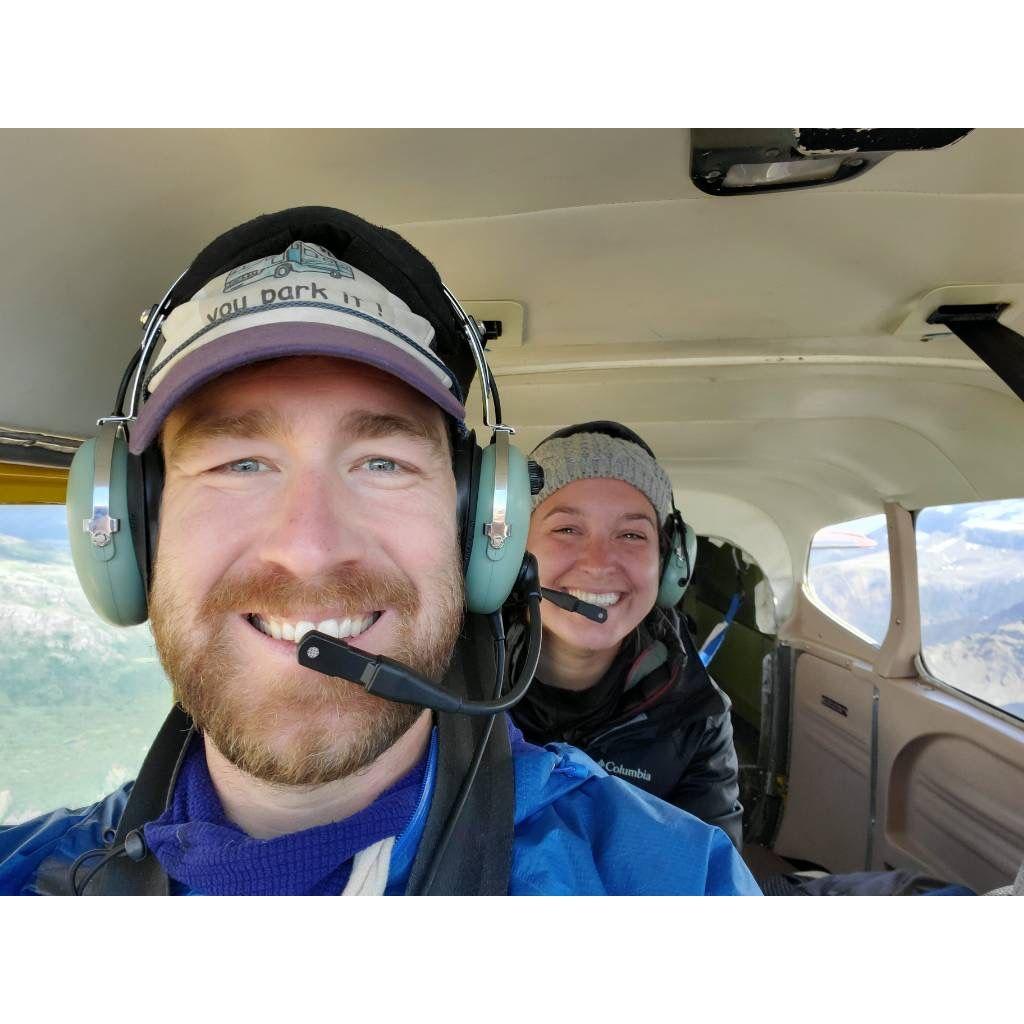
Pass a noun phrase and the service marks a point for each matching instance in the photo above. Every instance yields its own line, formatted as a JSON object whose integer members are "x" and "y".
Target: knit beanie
{"x": 600, "y": 456}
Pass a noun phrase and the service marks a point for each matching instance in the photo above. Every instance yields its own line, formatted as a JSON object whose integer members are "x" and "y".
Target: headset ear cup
{"x": 491, "y": 573}
{"x": 145, "y": 487}
{"x": 110, "y": 574}
{"x": 466, "y": 467}
{"x": 153, "y": 478}
{"x": 678, "y": 568}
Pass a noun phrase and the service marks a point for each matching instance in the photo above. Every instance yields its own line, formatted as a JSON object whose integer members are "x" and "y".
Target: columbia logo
{"x": 624, "y": 772}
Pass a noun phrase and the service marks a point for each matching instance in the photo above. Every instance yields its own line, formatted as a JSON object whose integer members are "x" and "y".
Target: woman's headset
{"x": 113, "y": 501}
{"x": 677, "y": 568}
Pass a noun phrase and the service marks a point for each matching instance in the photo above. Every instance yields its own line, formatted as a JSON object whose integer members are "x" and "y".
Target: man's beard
{"x": 298, "y": 727}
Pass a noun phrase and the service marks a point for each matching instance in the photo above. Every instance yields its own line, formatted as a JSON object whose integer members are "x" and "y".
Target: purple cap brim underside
{"x": 274, "y": 341}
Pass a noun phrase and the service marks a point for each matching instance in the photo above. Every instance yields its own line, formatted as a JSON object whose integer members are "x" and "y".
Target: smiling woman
{"x": 630, "y": 689}
{"x": 596, "y": 540}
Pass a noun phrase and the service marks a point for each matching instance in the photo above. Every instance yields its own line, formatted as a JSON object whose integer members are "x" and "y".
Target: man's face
{"x": 306, "y": 492}
{"x": 598, "y": 540}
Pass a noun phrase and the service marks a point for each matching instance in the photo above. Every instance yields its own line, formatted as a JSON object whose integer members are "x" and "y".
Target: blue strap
{"x": 717, "y": 635}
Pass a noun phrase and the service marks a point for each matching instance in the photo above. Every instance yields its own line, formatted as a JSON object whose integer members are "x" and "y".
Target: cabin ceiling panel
{"x": 758, "y": 393}
{"x": 806, "y": 264}
{"x": 886, "y": 437}
{"x": 98, "y": 223}
{"x": 599, "y": 233}
{"x": 213, "y": 178}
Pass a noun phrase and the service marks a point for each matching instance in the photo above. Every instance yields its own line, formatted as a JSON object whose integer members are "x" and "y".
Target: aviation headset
{"x": 109, "y": 487}
{"x": 677, "y": 569}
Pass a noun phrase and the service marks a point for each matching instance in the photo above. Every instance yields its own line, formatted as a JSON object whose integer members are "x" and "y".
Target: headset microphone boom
{"x": 391, "y": 679}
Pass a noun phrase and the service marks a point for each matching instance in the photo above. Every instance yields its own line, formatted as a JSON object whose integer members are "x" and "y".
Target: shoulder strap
{"x": 478, "y": 860}
{"x": 147, "y": 800}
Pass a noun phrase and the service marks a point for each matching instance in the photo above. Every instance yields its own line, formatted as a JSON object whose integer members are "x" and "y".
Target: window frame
{"x": 928, "y": 679}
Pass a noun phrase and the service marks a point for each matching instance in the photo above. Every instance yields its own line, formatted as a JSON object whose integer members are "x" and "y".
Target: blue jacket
{"x": 578, "y": 831}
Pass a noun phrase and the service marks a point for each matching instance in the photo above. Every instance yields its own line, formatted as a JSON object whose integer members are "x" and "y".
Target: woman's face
{"x": 597, "y": 540}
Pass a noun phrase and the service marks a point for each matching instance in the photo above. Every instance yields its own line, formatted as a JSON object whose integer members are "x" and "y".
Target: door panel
{"x": 950, "y": 786}
{"x": 915, "y": 774}
{"x": 949, "y": 790}
{"x": 828, "y": 800}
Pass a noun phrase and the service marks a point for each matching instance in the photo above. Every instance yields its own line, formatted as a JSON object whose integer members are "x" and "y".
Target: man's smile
{"x": 293, "y": 630}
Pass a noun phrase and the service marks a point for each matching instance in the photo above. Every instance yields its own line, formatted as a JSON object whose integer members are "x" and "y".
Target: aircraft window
{"x": 970, "y": 564}
{"x": 848, "y": 575}
{"x": 80, "y": 700}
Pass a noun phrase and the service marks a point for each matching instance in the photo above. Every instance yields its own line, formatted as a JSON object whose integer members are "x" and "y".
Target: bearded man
{"x": 298, "y": 445}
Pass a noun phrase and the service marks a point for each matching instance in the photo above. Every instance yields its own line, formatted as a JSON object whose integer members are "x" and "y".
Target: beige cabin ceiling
{"x": 750, "y": 339}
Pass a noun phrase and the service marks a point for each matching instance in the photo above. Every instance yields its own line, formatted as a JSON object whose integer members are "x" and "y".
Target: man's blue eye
{"x": 245, "y": 466}
{"x": 381, "y": 465}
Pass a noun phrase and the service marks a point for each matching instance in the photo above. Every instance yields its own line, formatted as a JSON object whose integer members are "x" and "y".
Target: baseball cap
{"x": 300, "y": 301}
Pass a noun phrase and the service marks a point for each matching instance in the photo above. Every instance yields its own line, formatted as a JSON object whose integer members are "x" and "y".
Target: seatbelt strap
{"x": 147, "y": 800}
{"x": 478, "y": 860}
{"x": 716, "y": 637}
{"x": 997, "y": 345}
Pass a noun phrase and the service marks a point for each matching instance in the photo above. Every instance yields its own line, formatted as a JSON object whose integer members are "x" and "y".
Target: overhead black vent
{"x": 745, "y": 161}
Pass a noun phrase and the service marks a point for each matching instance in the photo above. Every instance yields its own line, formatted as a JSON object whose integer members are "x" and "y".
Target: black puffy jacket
{"x": 669, "y": 731}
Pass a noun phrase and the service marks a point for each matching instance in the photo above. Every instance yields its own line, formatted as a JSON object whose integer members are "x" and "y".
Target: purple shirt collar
{"x": 199, "y": 848}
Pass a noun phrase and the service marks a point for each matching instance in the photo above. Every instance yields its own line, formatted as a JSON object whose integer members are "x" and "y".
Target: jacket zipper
{"x": 642, "y": 717}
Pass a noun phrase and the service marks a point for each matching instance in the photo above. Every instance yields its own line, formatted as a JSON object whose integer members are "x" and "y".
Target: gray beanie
{"x": 599, "y": 456}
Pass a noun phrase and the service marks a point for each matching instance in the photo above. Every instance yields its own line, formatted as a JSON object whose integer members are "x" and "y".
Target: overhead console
{"x": 744, "y": 161}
